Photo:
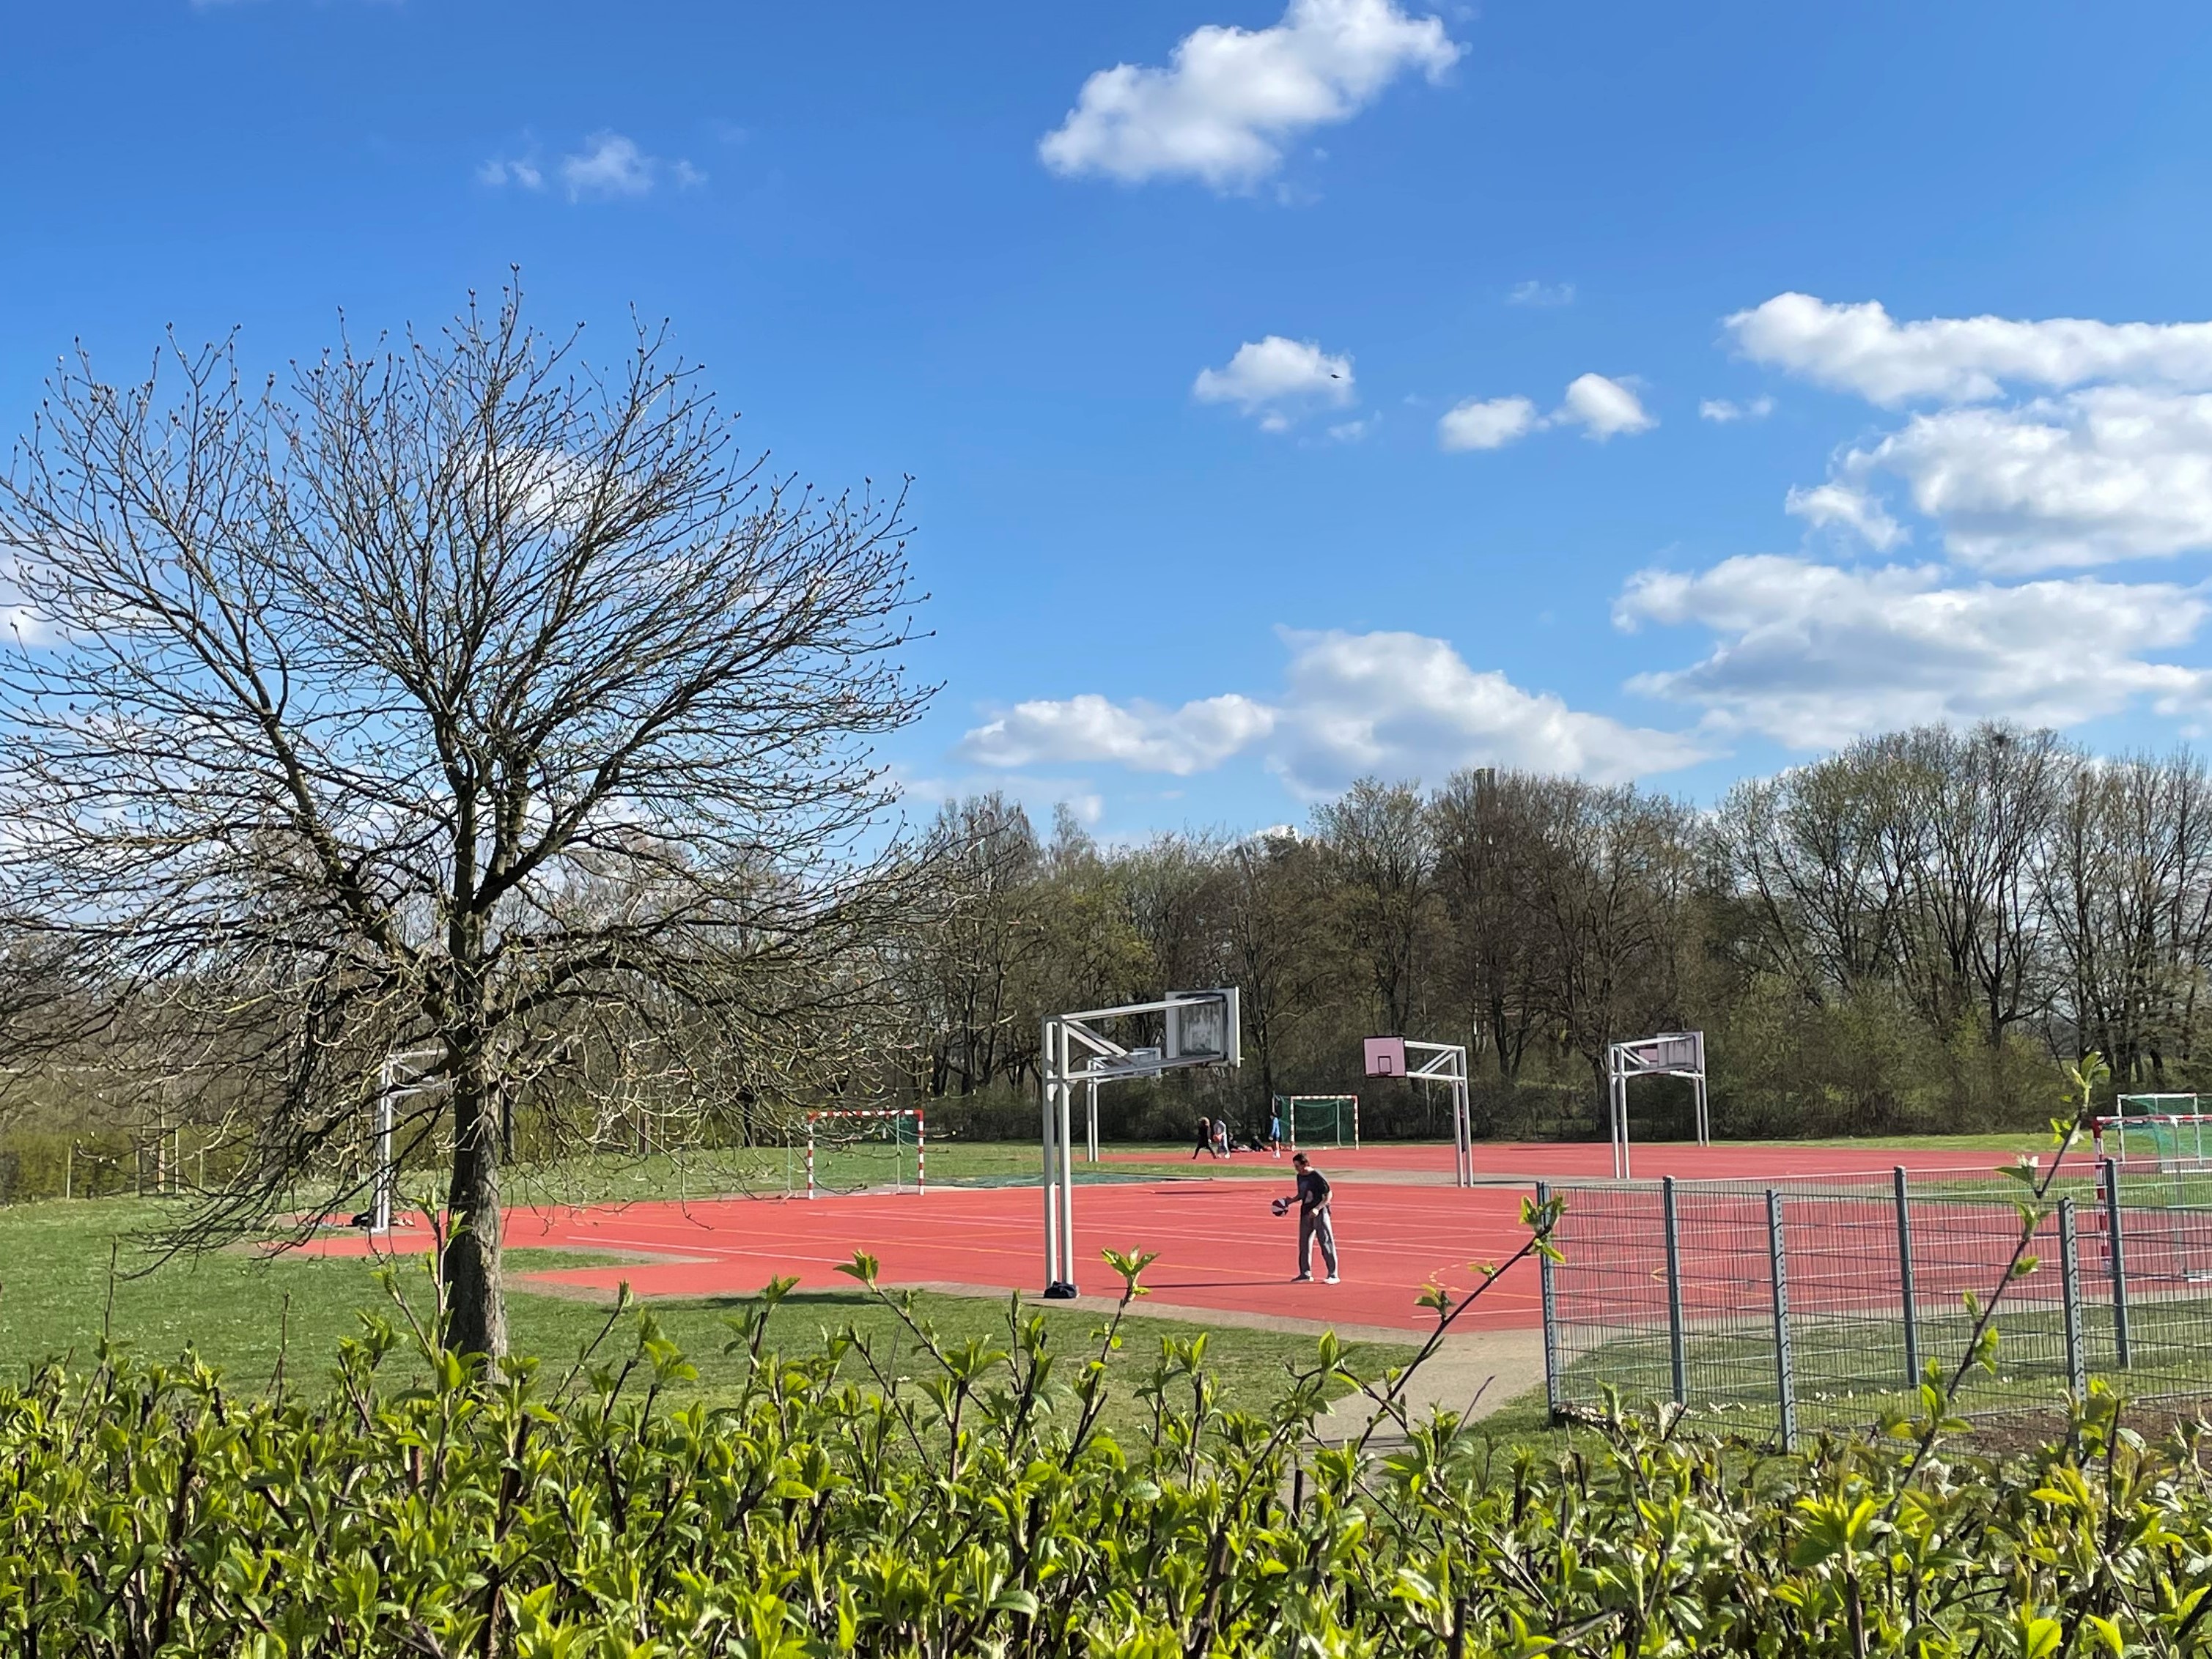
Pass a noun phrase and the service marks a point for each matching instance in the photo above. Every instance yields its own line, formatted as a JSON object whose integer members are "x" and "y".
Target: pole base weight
{"x": 1060, "y": 1291}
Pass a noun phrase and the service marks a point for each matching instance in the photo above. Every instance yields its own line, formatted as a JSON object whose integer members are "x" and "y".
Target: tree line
{"x": 1915, "y": 932}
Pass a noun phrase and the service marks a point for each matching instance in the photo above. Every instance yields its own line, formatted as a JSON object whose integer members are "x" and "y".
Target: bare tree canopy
{"x": 460, "y": 695}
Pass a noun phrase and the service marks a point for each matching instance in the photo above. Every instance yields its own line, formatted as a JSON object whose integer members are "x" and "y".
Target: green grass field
{"x": 245, "y": 1314}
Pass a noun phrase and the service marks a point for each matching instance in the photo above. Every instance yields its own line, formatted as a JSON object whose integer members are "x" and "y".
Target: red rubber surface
{"x": 1219, "y": 1248}
{"x": 1579, "y": 1159}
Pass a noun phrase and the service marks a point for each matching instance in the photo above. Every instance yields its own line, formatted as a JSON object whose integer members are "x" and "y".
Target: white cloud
{"x": 1816, "y": 655}
{"x": 1404, "y": 705}
{"x": 611, "y": 165}
{"x": 1230, "y": 98}
{"x": 1861, "y": 348}
{"x": 1603, "y": 408}
{"x": 1724, "y": 409}
{"x": 1832, "y": 504}
{"x": 524, "y": 175}
{"x": 2109, "y": 459}
{"x": 2096, "y": 476}
{"x": 1533, "y": 293}
{"x": 1397, "y": 704}
{"x": 1277, "y": 377}
{"x": 1486, "y": 424}
{"x": 1196, "y": 738}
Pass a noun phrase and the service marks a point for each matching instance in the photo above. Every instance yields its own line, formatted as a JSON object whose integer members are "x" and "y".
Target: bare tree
{"x": 1377, "y": 840}
{"x": 461, "y": 695}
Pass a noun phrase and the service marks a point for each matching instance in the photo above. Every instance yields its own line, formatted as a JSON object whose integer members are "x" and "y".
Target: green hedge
{"x": 925, "y": 1499}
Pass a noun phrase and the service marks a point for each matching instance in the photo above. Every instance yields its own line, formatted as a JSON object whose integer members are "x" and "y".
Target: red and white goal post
{"x": 2164, "y": 1138}
{"x": 877, "y": 1114}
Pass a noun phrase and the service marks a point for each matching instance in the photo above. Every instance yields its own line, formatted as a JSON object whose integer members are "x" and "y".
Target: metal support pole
{"x": 2115, "y": 1251}
{"x": 1554, "y": 1385}
{"x": 1784, "y": 1376}
{"x": 1093, "y": 1119}
{"x": 1066, "y": 1177}
{"x": 1677, "y": 1351}
{"x": 1463, "y": 1130}
{"x": 2069, "y": 1281}
{"x": 1705, "y": 1114}
{"x": 1620, "y": 1119}
{"x": 379, "y": 1218}
{"x": 1907, "y": 1294}
{"x": 1047, "y": 1085}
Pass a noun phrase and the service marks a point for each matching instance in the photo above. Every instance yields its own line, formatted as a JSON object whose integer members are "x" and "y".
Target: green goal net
{"x": 2169, "y": 1129}
{"x": 1319, "y": 1120}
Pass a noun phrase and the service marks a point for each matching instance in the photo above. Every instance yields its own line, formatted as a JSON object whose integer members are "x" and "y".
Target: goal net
{"x": 2165, "y": 1130}
{"x": 853, "y": 1151}
{"x": 1320, "y": 1120}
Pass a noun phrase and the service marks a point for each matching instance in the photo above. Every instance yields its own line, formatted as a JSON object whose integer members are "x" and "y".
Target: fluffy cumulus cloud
{"x": 1231, "y": 99}
{"x": 2103, "y": 474}
{"x": 1602, "y": 408}
{"x": 1486, "y": 423}
{"x": 1723, "y": 410}
{"x": 1277, "y": 379}
{"x": 1405, "y": 705}
{"x": 2040, "y": 444}
{"x": 1196, "y": 738}
{"x": 1842, "y": 506}
{"x": 1399, "y": 705}
{"x": 1861, "y": 349}
{"x": 1814, "y": 654}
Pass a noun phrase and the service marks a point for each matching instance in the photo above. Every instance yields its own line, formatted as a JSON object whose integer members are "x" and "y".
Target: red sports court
{"x": 1219, "y": 1249}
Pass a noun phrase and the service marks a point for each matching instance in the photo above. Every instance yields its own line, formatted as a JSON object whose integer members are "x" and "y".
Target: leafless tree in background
{"x": 460, "y": 695}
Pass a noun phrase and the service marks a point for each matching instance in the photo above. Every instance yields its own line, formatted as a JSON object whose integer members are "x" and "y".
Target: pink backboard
{"x": 1386, "y": 1056}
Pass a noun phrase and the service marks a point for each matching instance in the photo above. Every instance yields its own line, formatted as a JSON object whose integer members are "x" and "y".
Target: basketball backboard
{"x": 1386, "y": 1056}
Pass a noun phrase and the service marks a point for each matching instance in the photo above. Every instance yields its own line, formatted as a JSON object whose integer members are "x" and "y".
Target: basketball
{"x": 1281, "y": 1206}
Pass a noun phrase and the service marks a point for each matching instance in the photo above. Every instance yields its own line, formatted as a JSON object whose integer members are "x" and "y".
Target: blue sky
{"x": 1321, "y": 391}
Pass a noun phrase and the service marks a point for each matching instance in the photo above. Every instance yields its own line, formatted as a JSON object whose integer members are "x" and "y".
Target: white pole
{"x": 1066, "y": 1178}
{"x": 1462, "y": 1113}
{"x": 379, "y": 1211}
{"x": 1094, "y": 1121}
{"x": 1048, "y": 1081}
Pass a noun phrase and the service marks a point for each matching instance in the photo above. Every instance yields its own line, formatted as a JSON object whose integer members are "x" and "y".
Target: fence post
{"x": 2069, "y": 1281}
{"x": 1554, "y": 1385}
{"x": 2116, "y": 1252}
{"x": 1676, "y": 1353}
{"x": 1785, "y": 1380}
{"x": 1905, "y": 1290}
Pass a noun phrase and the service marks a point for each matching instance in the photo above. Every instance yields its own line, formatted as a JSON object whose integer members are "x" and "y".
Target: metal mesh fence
{"x": 1794, "y": 1305}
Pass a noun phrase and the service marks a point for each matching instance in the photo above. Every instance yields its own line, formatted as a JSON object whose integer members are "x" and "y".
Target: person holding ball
{"x": 1314, "y": 1224}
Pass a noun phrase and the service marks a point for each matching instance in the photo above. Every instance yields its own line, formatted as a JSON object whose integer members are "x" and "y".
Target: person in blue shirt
{"x": 1275, "y": 1133}
{"x": 1314, "y": 1223}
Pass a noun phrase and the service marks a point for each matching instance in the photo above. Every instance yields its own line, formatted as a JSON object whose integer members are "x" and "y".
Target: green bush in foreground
{"x": 953, "y": 1500}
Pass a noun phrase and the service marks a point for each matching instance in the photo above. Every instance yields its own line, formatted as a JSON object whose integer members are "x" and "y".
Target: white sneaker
{"x": 1331, "y": 1279}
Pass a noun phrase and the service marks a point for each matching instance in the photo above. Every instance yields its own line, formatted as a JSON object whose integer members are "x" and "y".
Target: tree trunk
{"x": 475, "y": 1298}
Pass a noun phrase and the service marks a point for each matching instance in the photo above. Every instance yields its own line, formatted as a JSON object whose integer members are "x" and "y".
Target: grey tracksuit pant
{"x": 1314, "y": 1224}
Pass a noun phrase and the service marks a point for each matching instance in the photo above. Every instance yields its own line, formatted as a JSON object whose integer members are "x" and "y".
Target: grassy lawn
{"x": 242, "y": 1314}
